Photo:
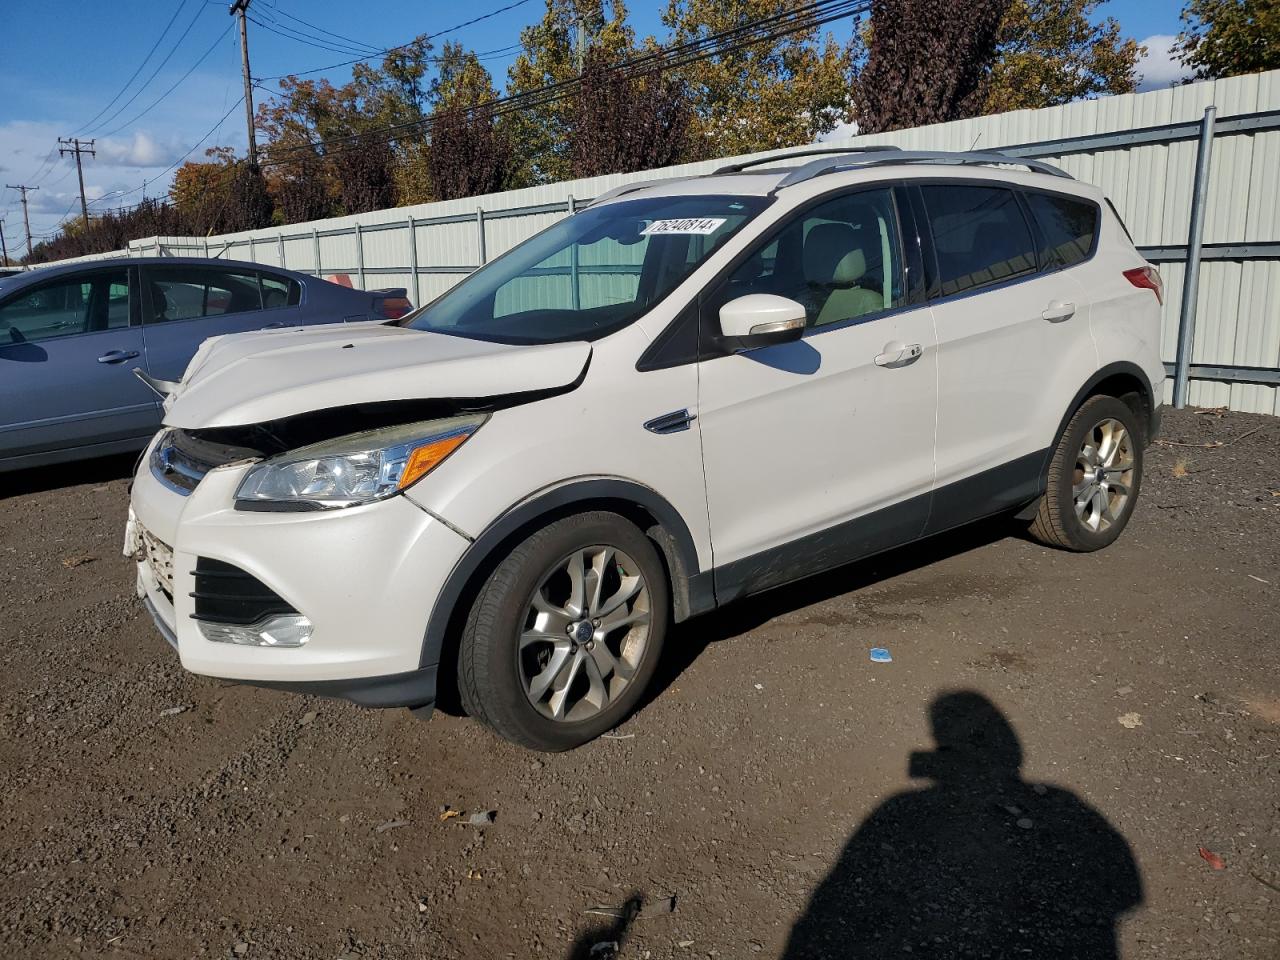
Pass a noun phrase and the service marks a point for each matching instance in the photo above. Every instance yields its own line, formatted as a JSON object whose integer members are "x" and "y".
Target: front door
{"x": 820, "y": 451}
{"x": 67, "y": 352}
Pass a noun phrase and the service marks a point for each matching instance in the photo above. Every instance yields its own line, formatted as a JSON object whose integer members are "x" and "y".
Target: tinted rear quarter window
{"x": 1069, "y": 227}
{"x": 979, "y": 235}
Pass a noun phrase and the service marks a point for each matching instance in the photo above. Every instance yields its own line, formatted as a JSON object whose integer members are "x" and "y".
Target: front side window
{"x": 840, "y": 260}
{"x": 1068, "y": 226}
{"x": 185, "y": 293}
{"x": 979, "y": 236}
{"x": 590, "y": 274}
{"x": 63, "y": 308}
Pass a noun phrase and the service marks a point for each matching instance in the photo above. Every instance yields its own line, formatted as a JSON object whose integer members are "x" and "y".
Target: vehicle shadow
{"x": 979, "y": 863}
{"x": 688, "y": 640}
{"x": 39, "y": 479}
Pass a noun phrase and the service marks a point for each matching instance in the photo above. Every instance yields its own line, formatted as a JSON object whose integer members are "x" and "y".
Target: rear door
{"x": 1014, "y": 345}
{"x": 67, "y": 351}
{"x": 184, "y": 305}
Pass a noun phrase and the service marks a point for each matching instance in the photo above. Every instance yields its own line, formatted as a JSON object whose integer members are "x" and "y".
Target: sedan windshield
{"x": 591, "y": 273}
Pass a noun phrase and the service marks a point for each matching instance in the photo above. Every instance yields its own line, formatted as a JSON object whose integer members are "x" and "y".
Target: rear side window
{"x": 1069, "y": 227}
{"x": 979, "y": 234}
{"x": 279, "y": 292}
{"x": 184, "y": 293}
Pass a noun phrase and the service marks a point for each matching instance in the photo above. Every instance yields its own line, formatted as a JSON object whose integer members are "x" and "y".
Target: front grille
{"x": 180, "y": 460}
{"x": 226, "y": 594}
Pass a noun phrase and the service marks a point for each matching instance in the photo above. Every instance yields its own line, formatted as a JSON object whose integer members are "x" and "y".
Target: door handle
{"x": 118, "y": 356}
{"x": 1058, "y": 310}
{"x": 899, "y": 354}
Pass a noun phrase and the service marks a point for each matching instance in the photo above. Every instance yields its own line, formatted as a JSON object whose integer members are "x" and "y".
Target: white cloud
{"x": 142, "y": 150}
{"x": 1158, "y": 69}
{"x": 840, "y": 131}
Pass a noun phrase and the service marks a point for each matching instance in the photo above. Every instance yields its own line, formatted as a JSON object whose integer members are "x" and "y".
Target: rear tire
{"x": 1094, "y": 478}
{"x": 566, "y": 633}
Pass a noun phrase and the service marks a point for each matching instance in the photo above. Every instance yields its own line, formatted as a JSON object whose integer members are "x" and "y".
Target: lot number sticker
{"x": 695, "y": 225}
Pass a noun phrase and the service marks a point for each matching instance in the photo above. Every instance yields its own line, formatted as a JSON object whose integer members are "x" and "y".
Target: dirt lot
{"x": 771, "y": 784}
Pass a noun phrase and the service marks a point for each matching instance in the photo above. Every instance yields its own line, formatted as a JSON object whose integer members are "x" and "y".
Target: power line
{"x": 403, "y": 46}
{"x": 177, "y": 10}
{"x": 276, "y": 11}
{"x": 158, "y": 100}
{"x": 280, "y": 30}
{"x": 169, "y": 56}
{"x": 808, "y": 17}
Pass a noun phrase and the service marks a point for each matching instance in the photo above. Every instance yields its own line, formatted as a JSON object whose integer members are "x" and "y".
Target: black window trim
{"x": 145, "y": 282}
{"x": 668, "y": 348}
{"x": 289, "y": 281}
{"x": 1020, "y": 189}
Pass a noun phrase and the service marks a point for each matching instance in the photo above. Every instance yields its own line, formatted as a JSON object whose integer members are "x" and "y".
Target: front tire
{"x": 566, "y": 633}
{"x": 1094, "y": 478}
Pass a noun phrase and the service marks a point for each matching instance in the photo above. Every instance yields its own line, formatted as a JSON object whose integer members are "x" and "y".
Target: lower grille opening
{"x": 226, "y": 594}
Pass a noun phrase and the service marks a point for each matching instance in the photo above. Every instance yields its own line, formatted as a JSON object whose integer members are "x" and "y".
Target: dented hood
{"x": 246, "y": 378}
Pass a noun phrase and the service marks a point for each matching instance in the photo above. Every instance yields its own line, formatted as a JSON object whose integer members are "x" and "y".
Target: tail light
{"x": 1148, "y": 278}
{"x": 391, "y": 308}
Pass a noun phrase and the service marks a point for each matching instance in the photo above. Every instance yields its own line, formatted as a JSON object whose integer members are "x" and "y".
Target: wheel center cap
{"x": 583, "y": 631}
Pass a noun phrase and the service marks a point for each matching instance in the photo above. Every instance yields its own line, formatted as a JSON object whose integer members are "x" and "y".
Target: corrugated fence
{"x": 1140, "y": 148}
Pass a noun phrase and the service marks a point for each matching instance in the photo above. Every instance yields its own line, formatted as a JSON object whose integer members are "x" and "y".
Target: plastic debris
{"x": 391, "y": 825}
{"x": 1130, "y": 720}
{"x": 483, "y": 818}
{"x": 1211, "y": 858}
{"x": 449, "y": 813}
{"x": 173, "y": 711}
{"x": 881, "y": 655}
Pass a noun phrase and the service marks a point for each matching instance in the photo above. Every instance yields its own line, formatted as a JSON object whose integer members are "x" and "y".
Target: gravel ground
{"x": 1060, "y": 756}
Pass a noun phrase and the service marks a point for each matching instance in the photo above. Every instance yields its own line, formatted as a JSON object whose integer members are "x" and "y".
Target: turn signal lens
{"x": 426, "y": 458}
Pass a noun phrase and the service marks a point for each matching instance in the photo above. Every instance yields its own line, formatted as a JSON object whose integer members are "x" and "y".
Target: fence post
{"x": 253, "y": 255}
{"x": 413, "y": 259}
{"x": 572, "y": 206}
{"x": 360, "y": 254}
{"x": 1191, "y": 280}
{"x": 484, "y": 256}
{"x": 315, "y": 247}
{"x": 280, "y": 246}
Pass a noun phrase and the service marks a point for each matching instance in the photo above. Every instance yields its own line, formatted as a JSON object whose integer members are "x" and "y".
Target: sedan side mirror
{"x": 760, "y": 320}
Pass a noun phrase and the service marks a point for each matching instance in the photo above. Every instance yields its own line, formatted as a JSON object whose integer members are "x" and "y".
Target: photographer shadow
{"x": 980, "y": 863}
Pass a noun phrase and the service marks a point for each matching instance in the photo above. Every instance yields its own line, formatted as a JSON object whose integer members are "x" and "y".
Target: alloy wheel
{"x": 1103, "y": 476}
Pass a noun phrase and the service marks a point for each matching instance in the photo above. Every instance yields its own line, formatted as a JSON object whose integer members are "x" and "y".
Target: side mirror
{"x": 761, "y": 320}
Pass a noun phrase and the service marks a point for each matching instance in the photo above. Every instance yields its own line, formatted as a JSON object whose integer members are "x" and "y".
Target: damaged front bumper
{"x": 364, "y": 577}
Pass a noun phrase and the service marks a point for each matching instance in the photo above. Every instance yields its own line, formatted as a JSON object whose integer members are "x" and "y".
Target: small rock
{"x": 1040, "y": 788}
{"x": 483, "y": 818}
{"x": 1124, "y": 691}
{"x": 1130, "y": 720}
{"x": 1026, "y": 823}
{"x": 308, "y": 717}
{"x": 391, "y": 825}
{"x": 173, "y": 711}
{"x": 241, "y": 948}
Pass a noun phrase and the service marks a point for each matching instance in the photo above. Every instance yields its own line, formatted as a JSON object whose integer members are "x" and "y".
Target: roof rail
{"x": 816, "y": 168}
{"x": 815, "y": 152}
{"x": 632, "y": 188}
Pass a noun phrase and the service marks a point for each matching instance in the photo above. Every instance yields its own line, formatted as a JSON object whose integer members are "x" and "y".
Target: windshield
{"x": 590, "y": 274}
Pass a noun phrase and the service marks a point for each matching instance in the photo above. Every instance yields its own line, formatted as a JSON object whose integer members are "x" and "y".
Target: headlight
{"x": 359, "y": 468}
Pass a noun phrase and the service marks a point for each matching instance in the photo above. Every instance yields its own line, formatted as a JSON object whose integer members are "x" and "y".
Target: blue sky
{"x": 63, "y": 61}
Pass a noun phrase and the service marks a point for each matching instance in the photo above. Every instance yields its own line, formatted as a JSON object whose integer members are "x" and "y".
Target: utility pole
{"x": 74, "y": 145}
{"x": 240, "y": 7}
{"x": 26, "y": 220}
{"x": 4, "y": 249}
{"x": 581, "y": 53}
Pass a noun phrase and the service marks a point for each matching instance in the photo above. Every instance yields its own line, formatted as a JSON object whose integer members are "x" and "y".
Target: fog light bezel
{"x": 257, "y": 634}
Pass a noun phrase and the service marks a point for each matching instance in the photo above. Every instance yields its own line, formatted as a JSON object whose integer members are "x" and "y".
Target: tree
{"x": 549, "y": 55}
{"x": 1050, "y": 52}
{"x": 625, "y": 123}
{"x": 469, "y": 152}
{"x": 926, "y": 61}
{"x": 774, "y": 93}
{"x": 1225, "y": 38}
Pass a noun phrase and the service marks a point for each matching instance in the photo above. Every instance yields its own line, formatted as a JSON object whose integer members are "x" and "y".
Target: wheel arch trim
{"x": 690, "y": 586}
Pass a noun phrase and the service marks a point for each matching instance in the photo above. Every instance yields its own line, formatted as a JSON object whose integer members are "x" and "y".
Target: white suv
{"x": 691, "y": 391}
